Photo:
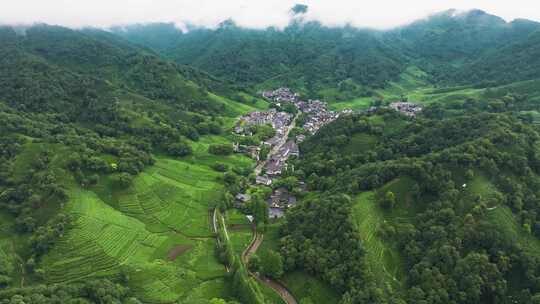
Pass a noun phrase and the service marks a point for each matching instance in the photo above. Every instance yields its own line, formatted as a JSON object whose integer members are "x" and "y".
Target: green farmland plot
{"x": 383, "y": 259}
{"x": 106, "y": 243}
{"x": 155, "y": 234}
{"x": 240, "y": 230}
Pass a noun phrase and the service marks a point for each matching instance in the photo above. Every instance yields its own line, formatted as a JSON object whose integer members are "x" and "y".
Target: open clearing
{"x": 413, "y": 85}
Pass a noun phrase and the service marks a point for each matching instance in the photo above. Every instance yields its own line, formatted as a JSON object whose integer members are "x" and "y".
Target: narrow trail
{"x": 278, "y": 287}
{"x": 214, "y": 228}
{"x": 256, "y": 241}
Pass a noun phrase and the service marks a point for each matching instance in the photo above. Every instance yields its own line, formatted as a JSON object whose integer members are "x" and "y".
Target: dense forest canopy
{"x": 452, "y": 226}
{"x": 454, "y": 47}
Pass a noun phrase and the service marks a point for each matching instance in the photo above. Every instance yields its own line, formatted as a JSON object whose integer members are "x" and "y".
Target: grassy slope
{"x": 383, "y": 258}
{"x": 413, "y": 85}
{"x": 304, "y": 286}
{"x": 239, "y": 229}
{"x": 132, "y": 231}
{"x": 129, "y": 233}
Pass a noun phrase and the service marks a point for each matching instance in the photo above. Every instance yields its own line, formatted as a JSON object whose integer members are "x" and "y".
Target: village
{"x": 282, "y": 147}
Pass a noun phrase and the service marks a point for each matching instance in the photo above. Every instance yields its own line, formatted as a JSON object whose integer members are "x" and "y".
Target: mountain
{"x": 343, "y": 62}
{"x": 306, "y": 56}
{"x": 505, "y": 64}
{"x": 105, "y": 167}
{"x": 448, "y": 42}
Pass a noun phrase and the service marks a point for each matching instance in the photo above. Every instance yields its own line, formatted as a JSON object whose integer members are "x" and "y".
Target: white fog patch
{"x": 380, "y": 14}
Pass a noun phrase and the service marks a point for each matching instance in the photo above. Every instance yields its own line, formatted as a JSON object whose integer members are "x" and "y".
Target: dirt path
{"x": 275, "y": 285}
{"x": 280, "y": 289}
{"x": 253, "y": 246}
{"x": 214, "y": 227}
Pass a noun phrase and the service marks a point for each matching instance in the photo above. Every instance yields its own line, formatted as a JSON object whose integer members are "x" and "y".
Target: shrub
{"x": 220, "y": 167}
{"x": 179, "y": 149}
{"x": 123, "y": 180}
{"x": 220, "y": 149}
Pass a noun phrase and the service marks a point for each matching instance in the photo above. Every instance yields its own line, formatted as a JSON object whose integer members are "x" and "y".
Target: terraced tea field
{"x": 129, "y": 234}
{"x": 383, "y": 259}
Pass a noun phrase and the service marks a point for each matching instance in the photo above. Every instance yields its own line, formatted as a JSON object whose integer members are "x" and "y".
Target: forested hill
{"x": 470, "y": 47}
{"x": 506, "y": 64}
{"x": 86, "y": 120}
{"x": 307, "y": 56}
{"x": 92, "y": 56}
{"x": 453, "y": 47}
{"x": 453, "y": 35}
{"x": 438, "y": 209}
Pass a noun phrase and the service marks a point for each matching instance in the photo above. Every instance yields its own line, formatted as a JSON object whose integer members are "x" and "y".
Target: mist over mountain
{"x": 311, "y": 57}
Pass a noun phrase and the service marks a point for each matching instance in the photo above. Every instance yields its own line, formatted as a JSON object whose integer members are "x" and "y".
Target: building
{"x": 243, "y": 198}
{"x": 274, "y": 167}
{"x": 263, "y": 180}
{"x": 275, "y": 213}
{"x": 406, "y": 108}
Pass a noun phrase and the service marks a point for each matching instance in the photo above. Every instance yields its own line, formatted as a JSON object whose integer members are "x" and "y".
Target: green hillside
{"x": 437, "y": 203}
{"x": 112, "y": 189}
{"x": 106, "y": 178}
{"x": 345, "y": 63}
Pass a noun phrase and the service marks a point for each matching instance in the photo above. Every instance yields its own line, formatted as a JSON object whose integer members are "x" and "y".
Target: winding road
{"x": 283, "y": 292}
{"x": 251, "y": 249}
{"x": 257, "y": 237}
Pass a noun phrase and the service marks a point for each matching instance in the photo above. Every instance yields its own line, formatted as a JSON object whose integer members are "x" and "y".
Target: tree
{"x": 389, "y": 200}
{"x": 220, "y": 167}
{"x": 259, "y": 208}
{"x": 306, "y": 300}
{"x": 254, "y": 263}
{"x": 272, "y": 264}
{"x": 179, "y": 149}
{"x": 123, "y": 180}
{"x": 220, "y": 149}
{"x": 469, "y": 175}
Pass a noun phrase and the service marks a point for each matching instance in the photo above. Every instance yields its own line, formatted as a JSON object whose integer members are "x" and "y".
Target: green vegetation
{"x": 308, "y": 288}
{"x": 382, "y": 257}
{"x": 244, "y": 286}
{"x": 106, "y": 173}
{"x": 440, "y": 201}
{"x": 321, "y": 63}
{"x": 113, "y": 156}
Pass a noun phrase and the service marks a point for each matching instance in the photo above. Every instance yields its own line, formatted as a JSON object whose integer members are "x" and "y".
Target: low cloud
{"x": 380, "y": 14}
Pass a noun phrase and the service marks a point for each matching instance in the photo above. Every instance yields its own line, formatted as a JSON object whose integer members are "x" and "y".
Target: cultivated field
{"x": 155, "y": 235}
{"x": 382, "y": 257}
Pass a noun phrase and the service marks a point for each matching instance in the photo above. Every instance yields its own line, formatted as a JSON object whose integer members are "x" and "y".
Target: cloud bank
{"x": 380, "y": 14}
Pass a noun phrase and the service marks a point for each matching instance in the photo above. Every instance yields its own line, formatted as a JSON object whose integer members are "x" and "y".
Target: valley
{"x": 305, "y": 164}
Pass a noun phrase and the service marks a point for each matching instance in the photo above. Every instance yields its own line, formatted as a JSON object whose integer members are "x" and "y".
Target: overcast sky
{"x": 248, "y": 13}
